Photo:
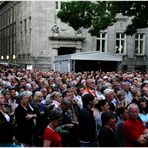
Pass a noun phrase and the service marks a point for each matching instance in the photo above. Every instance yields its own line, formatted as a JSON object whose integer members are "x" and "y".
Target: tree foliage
{"x": 98, "y": 15}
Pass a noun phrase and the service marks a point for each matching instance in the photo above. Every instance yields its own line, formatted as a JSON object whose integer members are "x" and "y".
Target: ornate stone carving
{"x": 55, "y": 29}
{"x": 79, "y": 31}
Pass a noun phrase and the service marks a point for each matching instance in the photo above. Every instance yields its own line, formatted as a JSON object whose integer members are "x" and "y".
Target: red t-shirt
{"x": 52, "y": 136}
{"x": 132, "y": 130}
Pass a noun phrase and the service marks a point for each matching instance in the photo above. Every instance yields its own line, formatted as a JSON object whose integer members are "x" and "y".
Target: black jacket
{"x": 107, "y": 138}
{"x": 87, "y": 125}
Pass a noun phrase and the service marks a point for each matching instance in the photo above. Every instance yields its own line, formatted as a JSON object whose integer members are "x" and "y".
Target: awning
{"x": 92, "y": 55}
{"x": 11, "y": 64}
{"x": 15, "y": 65}
{"x": 4, "y": 63}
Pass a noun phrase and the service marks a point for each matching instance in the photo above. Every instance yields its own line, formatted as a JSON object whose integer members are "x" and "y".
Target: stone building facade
{"x": 31, "y": 34}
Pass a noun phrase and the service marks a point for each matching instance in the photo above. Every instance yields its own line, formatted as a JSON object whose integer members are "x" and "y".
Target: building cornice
{"x": 61, "y": 38}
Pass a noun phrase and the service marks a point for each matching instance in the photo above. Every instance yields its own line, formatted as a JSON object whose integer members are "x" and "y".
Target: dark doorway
{"x": 124, "y": 68}
{"x": 85, "y": 65}
{"x": 141, "y": 68}
{"x": 66, "y": 50}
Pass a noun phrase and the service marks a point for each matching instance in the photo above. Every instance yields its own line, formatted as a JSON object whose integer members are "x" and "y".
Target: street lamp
{"x": 13, "y": 57}
{"x": 7, "y": 57}
{"x": 2, "y": 57}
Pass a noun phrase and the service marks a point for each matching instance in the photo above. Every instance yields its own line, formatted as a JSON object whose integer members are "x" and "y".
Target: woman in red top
{"x": 51, "y": 137}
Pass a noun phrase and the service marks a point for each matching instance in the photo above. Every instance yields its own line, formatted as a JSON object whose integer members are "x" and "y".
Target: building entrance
{"x": 85, "y": 65}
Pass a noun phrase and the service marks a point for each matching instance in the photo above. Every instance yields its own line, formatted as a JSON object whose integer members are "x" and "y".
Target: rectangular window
{"x": 58, "y": 5}
{"x": 120, "y": 43}
{"x": 21, "y": 27}
{"x": 7, "y": 16}
{"x": 101, "y": 42}
{"x": 139, "y": 43}
{"x": 29, "y": 23}
{"x": 14, "y": 29}
{"x": 25, "y": 25}
{"x": 10, "y": 13}
{"x": 5, "y": 19}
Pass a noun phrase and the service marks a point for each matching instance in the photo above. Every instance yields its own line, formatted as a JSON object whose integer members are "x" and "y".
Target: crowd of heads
{"x": 114, "y": 94}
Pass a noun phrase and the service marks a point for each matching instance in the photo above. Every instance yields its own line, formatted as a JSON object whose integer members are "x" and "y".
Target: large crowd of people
{"x": 69, "y": 109}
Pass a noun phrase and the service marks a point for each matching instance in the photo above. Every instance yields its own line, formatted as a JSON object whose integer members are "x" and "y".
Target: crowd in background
{"x": 86, "y": 109}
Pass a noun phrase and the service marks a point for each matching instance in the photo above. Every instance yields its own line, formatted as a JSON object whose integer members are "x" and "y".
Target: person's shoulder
{"x": 105, "y": 130}
{"x": 120, "y": 122}
{"x": 127, "y": 123}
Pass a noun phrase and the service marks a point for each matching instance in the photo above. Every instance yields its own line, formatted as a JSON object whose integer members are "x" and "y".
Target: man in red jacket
{"x": 134, "y": 130}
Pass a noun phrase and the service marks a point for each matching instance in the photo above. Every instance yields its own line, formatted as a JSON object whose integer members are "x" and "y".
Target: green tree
{"x": 96, "y": 16}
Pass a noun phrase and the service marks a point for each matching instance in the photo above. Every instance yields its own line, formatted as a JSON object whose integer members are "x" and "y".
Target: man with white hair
{"x": 109, "y": 96}
{"x": 126, "y": 89}
{"x": 134, "y": 130}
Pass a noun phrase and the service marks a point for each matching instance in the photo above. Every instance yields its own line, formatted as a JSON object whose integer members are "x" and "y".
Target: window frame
{"x": 139, "y": 43}
{"x": 101, "y": 39}
{"x": 120, "y": 39}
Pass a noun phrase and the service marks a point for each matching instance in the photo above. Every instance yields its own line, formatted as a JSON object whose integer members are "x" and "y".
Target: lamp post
{"x": 7, "y": 58}
{"x": 2, "y": 57}
{"x": 14, "y": 58}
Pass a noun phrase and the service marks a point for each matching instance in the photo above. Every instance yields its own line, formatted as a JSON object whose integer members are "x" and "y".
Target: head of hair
{"x": 48, "y": 99}
{"x": 135, "y": 91}
{"x": 4, "y": 92}
{"x": 64, "y": 93}
{"x": 29, "y": 93}
{"x": 22, "y": 87}
{"x": 126, "y": 83}
{"x": 66, "y": 101}
{"x": 144, "y": 84}
{"x": 120, "y": 111}
{"x": 54, "y": 114}
{"x": 86, "y": 98}
{"x": 107, "y": 91}
{"x": 49, "y": 108}
{"x": 55, "y": 94}
{"x": 100, "y": 104}
{"x": 88, "y": 81}
{"x": 79, "y": 87}
{"x": 131, "y": 106}
{"x": 23, "y": 95}
{"x": 120, "y": 93}
{"x": 142, "y": 99}
{"x": 12, "y": 88}
{"x": 106, "y": 116}
{"x": 37, "y": 93}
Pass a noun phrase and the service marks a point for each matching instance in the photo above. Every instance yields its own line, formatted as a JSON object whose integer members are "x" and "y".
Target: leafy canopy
{"x": 98, "y": 15}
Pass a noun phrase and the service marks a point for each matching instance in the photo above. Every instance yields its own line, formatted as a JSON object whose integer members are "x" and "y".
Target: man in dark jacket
{"x": 87, "y": 122}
